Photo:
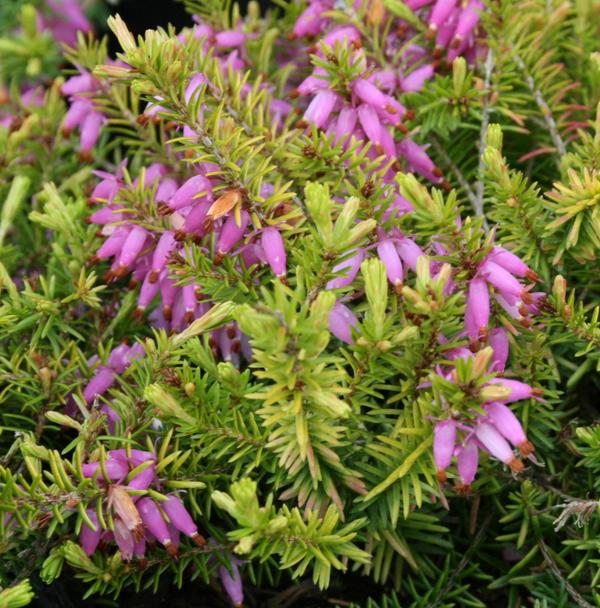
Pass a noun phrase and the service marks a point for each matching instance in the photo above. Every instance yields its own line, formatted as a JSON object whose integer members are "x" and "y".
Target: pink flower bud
{"x": 153, "y": 520}
{"x": 444, "y": 438}
{"x": 102, "y": 380}
{"x": 467, "y": 21}
{"x": 321, "y": 107}
{"x": 232, "y": 582}
{"x": 477, "y": 311}
{"x": 369, "y": 121}
{"x": 187, "y": 193}
{"x": 181, "y": 519}
{"x": 143, "y": 480}
{"x": 388, "y": 254}
{"x": 166, "y": 244}
{"x": 166, "y": 190}
{"x": 122, "y": 504}
{"x": 440, "y": 12}
{"x": 418, "y": 159}
{"x": 114, "y": 243}
{"x": 168, "y": 291}
{"x": 312, "y": 84}
{"x": 508, "y": 424}
{"x": 231, "y": 232}
{"x": 467, "y": 461}
{"x": 229, "y": 39}
{"x": 350, "y": 267}
{"x": 369, "y": 94}
{"x": 309, "y": 23}
{"x": 107, "y": 215}
{"x": 345, "y": 124}
{"x": 194, "y": 86}
{"x": 409, "y": 252}
{"x": 132, "y": 247}
{"x": 124, "y": 539}
{"x": 274, "y": 249}
{"x": 496, "y": 445}
{"x": 76, "y": 114}
{"x": 415, "y": 81}
{"x": 88, "y": 538}
{"x": 512, "y": 263}
{"x": 82, "y": 83}
{"x": 519, "y": 390}
{"x": 341, "y": 35}
{"x": 90, "y": 130}
{"x": 115, "y": 469}
{"x": 341, "y": 322}
{"x": 499, "y": 342}
{"x": 501, "y": 279}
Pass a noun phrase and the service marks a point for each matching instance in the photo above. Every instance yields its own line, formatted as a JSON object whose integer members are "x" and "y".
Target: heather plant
{"x": 299, "y": 305}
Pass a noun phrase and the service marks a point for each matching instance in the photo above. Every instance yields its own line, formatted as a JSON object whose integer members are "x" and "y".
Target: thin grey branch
{"x": 575, "y": 595}
{"x": 485, "y": 121}
{"x": 559, "y": 144}
{"x": 460, "y": 178}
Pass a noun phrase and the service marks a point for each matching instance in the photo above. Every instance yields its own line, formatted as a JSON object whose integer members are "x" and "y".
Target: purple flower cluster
{"x": 137, "y": 520}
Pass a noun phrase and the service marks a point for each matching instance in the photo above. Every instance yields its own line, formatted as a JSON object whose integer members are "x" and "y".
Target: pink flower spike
{"x": 232, "y": 232}
{"x": 341, "y": 322}
{"x": 88, "y": 538}
{"x": 467, "y": 462}
{"x": 498, "y": 340}
{"x": 351, "y": 266}
{"x": 153, "y": 520}
{"x": 444, "y": 438}
{"x": 232, "y": 583}
{"x": 388, "y": 254}
{"x": 181, "y": 519}
{"x": 274, "y": 249}
{"x": 477, "y": 311}
{"x": 496, "y": 445}
{"x": 320, "y": 108}
{"x": 508, "y": 424}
